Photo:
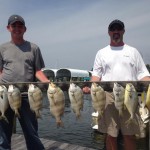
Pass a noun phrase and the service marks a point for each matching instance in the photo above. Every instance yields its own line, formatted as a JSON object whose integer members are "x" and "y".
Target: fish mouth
{"x": 51, "y": 92}
{"x": 129, "y": 90}
{"x": 73, "y": 90}
{"x": 117, "y": 90}
{"x": 116, "y": 84}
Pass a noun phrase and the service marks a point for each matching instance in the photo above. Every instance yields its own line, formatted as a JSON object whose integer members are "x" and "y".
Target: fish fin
{"x": 17, "y": 114}
{"x": 100, "y": 114}
{"x": 33, "y": 98}
{"x": 4, "y": 118}
{"x": 55, "y": 101}
{"x": 59, "y": 124}
{"x": 94, "y": 95}
{"x": 98, "y": 118}
{"x": 79, "y": 118}
{"x": 74, "y": 98}
{"x": 95, "y": 110}
{"x": 120, "y": 113}
{"x": 128, "y": 122}
{"x": 37, "y": 113}
{"x": 131, "y": 121}
{"x": 73, "y": 110}
{"x": 124, "y": 107}
{"x": 82, "y": 108}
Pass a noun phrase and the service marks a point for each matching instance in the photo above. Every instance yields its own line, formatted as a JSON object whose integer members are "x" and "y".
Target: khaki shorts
{"x": 111, "y": 122}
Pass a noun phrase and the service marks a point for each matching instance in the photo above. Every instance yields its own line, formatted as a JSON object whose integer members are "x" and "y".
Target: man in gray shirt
{"x": 20, "y": 61}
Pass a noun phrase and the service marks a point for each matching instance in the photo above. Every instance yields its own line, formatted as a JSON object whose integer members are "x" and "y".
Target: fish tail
{"x": 59, "y": 124}
{"x": 124, "y": 107}
{"x": 0, "y": 117}
{"x": 131, "y": 120}
{"x": 78, "y": 115}
{"x": 128, "y": 122}
{"x": 135, "y": 121}
{"x": 38, "y": 115}
{"x": 17, "y": 113}
{"x": 100, "y": 114}
{"x": 120, "y": 113}
{"x": 4, "y": 118}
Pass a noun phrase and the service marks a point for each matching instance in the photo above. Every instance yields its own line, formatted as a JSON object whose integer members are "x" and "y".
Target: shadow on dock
{"x": 18, "y": 143}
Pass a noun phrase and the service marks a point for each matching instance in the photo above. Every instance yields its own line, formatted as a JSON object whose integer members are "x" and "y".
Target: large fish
{"x": 35, "y": 99}
{"x": 148, "y": 98}
{"x": 14, "y": 98}
{"x": 4, "y": 104}
{"x": 76, "y": 99}
{"x": 119, "y": 92}
{"x": 131, "y": 102}
{"x": 98, "y": 98}
{"x": 57, "y": 102}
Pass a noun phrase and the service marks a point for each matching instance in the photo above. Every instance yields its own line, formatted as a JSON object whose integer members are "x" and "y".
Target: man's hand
{"x": 86, "y": 90}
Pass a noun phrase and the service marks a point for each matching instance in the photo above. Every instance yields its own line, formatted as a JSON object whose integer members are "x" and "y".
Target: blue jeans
{"x": 29, "y": 126}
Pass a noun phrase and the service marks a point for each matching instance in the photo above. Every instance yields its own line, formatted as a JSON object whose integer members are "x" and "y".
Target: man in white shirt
{"x": 118, "y": 62}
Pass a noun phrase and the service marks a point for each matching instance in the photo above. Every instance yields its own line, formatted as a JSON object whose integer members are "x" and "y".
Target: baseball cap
{"x": 116, "y": 24}
{"x": 12, "y": 19}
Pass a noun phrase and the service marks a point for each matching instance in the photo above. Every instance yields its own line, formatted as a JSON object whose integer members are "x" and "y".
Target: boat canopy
{"x": 50, "y": 73}
{"x": 67, "y": 74}
{"x": 72, "y": 73}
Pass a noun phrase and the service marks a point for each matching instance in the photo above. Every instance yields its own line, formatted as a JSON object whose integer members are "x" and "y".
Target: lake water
{"x": 75, "y": 131}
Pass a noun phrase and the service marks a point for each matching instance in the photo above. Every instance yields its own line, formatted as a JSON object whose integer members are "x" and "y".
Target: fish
{"x": 147, "y": 103}
{"x": 143, "y": 110}
{"x": 35, "y": 97}
{"x": 119, "y": 92}
{"x": 14, "y": 98}
{"x": 131, "y": 102}
{"x": 98, "y": 96}
{"x": 56, "y": 99}
{"x": 4, "y": 104}
{"x": 76, "y": 99}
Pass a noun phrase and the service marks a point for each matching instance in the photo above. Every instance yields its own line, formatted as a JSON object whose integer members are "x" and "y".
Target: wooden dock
{"x": 18, "y": 143}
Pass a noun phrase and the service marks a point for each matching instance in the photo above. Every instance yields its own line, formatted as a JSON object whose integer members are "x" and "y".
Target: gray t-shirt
{"x": 19, "y": 63}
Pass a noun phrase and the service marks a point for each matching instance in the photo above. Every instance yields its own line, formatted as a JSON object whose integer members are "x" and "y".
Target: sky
{"x": 70, "y": 32}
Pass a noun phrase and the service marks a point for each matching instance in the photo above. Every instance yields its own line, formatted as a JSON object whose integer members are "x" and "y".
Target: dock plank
{"x": 18, "y": 143}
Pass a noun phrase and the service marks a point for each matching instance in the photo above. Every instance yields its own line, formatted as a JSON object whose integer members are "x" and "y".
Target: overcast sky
{"x": 70, "y": 32}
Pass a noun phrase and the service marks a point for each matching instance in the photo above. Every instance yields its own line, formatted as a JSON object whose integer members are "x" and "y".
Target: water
{"x": 75, "y": 131}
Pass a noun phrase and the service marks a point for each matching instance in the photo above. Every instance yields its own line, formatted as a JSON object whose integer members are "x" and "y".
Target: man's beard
{"x": 116, "y": 38}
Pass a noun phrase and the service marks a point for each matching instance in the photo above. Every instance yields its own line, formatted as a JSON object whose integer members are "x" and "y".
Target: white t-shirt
{"x": 122, "y": 63}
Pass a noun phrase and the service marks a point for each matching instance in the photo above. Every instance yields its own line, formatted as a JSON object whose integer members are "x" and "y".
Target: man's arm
{"x": 95, "y": 78}
{"x": 147, "y": 78}
{"x": 41, "y": 76}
